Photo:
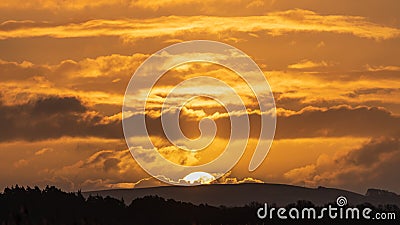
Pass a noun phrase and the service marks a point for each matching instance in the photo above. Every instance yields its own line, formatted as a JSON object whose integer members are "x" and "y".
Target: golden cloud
{"x": 382, "y": 68}
{"x": 49, "y": 4}
{"x": 276, "y": 23}
{"x": 308, "y": 64}
{"x": 82, "y": 4}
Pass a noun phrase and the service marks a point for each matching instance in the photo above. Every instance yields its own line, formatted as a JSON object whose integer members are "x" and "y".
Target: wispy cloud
{"x": 308, "y": 64}
{"x": 142, "y": 4}
{"x": 276, "y": 23}
{"x": 382, "y": 68}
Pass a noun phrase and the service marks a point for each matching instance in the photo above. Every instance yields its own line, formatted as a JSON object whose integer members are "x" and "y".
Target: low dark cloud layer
{"x": 337, "y": 122}
{"x": 55, "y": 117}
{"x": 373, "y": 165}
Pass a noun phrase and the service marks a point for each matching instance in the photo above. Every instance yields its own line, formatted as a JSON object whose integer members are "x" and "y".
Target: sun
{"x": 199, "y": 178}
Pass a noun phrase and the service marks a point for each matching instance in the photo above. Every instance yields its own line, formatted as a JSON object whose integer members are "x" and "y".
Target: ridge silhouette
{"x": 241, "y": 194}
{"x": 25, "y": 206}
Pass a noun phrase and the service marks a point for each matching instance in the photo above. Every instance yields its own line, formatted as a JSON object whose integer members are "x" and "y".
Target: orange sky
{"x": 333, "y": 68}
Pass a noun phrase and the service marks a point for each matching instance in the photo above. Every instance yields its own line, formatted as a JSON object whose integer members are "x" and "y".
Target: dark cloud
{"x": 372, "y": 152}
{"x": 12, "y": 71}
{"x": 373, "y": 165}
{"x": 13, "y": 25}
{"x": 55, "y": 105}
{"x": 299, "y": 103}
{"x": 337, "y": 122}
{"x": 55, "y": 117}
{"x": 355, "y": 72}
{"x": 291, "y": 103}
{"x": 368, "y": 91}
{"x": 334, "y": 122}
{"x": 111, "y": 164}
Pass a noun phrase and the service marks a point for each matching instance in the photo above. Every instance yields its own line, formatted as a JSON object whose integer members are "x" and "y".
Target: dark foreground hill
{"x": 31, "y": 206}
{"x": 242, "y": 194}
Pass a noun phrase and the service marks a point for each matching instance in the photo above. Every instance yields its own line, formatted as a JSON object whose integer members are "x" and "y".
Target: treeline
{"x": 31, "y": 206}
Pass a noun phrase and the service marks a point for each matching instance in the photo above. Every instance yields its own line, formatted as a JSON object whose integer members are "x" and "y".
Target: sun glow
{"x": 199, "y": 177}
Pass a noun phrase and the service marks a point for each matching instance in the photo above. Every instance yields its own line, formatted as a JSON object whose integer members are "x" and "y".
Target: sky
{"x": 333, "y": 68}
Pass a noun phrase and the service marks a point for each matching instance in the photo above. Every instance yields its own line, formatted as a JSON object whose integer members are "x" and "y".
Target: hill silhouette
{"x": 242, "y": 194}
{"x": 20, "y": 205}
